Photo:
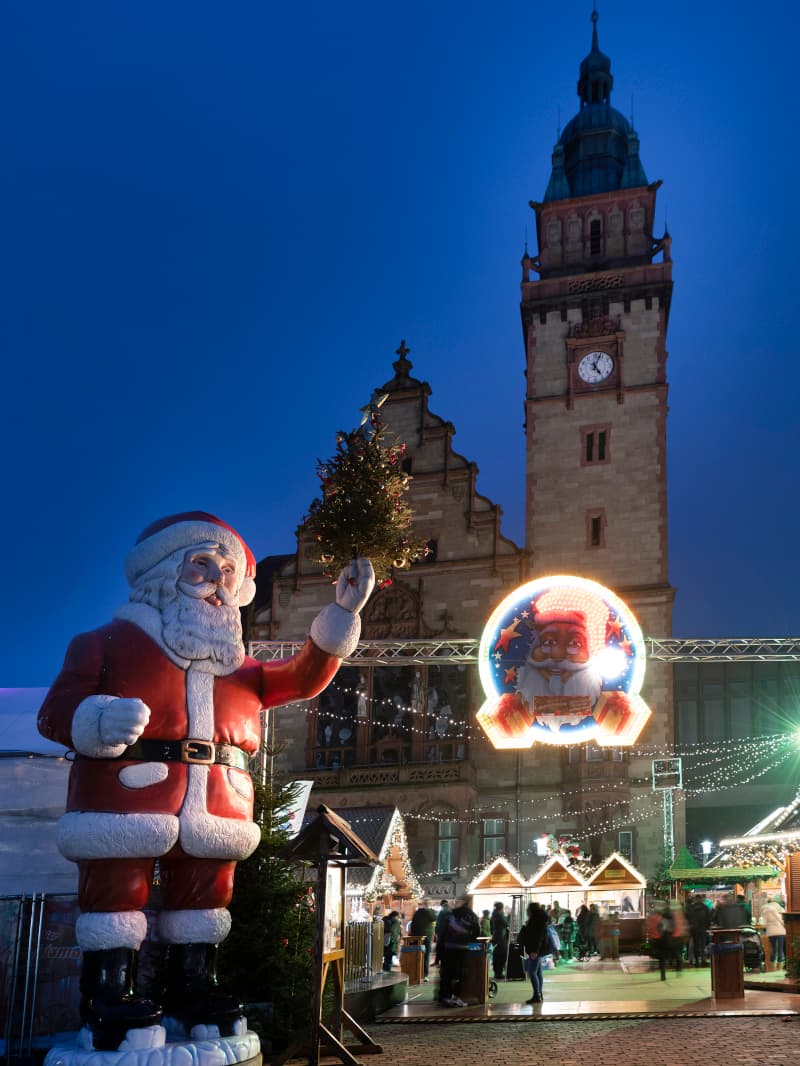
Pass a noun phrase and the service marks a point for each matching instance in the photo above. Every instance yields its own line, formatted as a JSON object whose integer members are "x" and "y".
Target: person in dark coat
{"x": 463, "y": 926}
{"x": 442, "y": 918}
{"x": 729, "y": 914}
{"x": 423, "y": 924}
{"x": 498, "y": 923}
{"x": 392, "y": 934}
{"x": 533, "y": 941}
{"x": 667, "y": 944}
{"x": 699, "y": 918}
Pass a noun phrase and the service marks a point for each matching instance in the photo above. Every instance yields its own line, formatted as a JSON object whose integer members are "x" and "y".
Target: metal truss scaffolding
{"x": 669, "y": 650}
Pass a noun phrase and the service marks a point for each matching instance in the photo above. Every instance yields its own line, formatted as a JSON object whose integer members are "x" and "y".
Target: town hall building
{"x": 595, "y": 303}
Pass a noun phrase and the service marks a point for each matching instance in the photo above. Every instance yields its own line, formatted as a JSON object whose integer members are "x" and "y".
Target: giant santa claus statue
{"x": 161, "y": 707}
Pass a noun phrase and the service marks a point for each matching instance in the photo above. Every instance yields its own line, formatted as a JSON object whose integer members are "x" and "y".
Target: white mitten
{"x": 124, "y": 721}
{"x": 337, "y": 627}
{"x": 355, "y": 584}
{"x": 104, "y": 726}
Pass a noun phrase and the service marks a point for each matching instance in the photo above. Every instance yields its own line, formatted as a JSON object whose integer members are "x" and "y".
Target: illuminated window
{"x": 494, "y": 837}
{"x": 594, "y": 754}
{"x": 447, "y": 846}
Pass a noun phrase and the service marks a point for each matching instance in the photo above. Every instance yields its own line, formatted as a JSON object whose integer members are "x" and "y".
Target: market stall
{"x": 618, "y": 889}
{"x": 558, "y": 882}
{"x": 500, "y": 882}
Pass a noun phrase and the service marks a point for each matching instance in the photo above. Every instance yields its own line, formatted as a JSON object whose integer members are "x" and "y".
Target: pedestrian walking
{"x": 772, "y": 919}
{"x": 533, "y": 942}
{"x": 500, "y": 932}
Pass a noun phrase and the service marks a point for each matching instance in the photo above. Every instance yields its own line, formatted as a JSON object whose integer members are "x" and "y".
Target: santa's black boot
{"x": 109, "y": 1004}
{"x": 193, "y": 995}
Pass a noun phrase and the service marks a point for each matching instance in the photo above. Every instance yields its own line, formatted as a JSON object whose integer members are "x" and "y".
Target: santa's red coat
{"x": 121, "y": 660}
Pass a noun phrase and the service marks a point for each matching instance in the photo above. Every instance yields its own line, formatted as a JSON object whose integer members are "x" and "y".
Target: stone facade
{"x": 403, "y": 733}
{"x": 398, "y": 743}
{"x": 596, "y": 474}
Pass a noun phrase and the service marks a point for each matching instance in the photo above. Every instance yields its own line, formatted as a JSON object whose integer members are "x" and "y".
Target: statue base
{"x": 159, "y": 1045}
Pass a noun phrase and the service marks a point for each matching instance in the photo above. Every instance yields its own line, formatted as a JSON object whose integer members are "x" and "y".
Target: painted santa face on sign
{"x": 562, "y": 662}
{"x": 562, "y": 641}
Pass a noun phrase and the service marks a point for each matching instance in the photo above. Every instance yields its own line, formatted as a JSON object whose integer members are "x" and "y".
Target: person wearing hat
{"x": 162, "y": 709}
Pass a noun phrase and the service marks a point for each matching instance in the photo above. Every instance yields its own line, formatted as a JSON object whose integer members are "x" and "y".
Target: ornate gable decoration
{"x": 392, "y": 613}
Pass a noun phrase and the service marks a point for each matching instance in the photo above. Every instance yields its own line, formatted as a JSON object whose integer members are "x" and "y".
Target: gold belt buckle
{"x": 197, "y": 751}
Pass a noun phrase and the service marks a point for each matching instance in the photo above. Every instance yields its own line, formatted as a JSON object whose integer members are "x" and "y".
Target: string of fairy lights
{"x": 709, "y": 766}
{"x": 404, "y": 714}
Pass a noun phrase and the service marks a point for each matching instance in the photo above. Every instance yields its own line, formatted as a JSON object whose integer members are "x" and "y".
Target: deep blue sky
{"x": 219, "y": 221}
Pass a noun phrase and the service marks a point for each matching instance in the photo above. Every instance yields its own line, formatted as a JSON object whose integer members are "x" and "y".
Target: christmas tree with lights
{"x": 364, "y": 509}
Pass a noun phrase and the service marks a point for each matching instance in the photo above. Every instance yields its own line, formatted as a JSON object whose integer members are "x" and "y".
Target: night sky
{"x": 220, "y": 220}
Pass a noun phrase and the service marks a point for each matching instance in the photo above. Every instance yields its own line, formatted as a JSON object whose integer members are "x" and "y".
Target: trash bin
{"x": 474, "y": 983}
{"x": 412, "y": 958}
{"x": 727, "y": 970}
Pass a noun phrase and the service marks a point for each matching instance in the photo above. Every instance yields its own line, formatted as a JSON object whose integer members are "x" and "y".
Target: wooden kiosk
{"x": 618, "y": 889}
{"x": 329, "y": 844}
{"x": 500, "y": 880}
{"x": 558, "y": 882}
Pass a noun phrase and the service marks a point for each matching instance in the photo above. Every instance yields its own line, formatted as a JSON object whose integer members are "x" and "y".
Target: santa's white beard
{"x": 197, "y": 630}
{"x": 582, "y": 679}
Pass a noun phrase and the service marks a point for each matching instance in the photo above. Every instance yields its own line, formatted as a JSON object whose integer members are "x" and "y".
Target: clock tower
{"x": 595, "y": 308}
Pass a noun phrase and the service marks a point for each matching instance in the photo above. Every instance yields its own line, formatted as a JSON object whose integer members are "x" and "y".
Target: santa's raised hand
{"x": 354, "y": 585}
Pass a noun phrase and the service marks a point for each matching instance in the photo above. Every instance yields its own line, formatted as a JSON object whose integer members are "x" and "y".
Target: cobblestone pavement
{"x": 719, "y": 1041}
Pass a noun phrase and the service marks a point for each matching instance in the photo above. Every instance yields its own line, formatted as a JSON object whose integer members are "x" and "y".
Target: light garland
{"x": 689, "y": 750}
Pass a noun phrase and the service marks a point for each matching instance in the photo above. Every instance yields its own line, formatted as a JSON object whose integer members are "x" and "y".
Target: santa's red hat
{"x": 564, "y": 603}
{"x": 188, "y": 530}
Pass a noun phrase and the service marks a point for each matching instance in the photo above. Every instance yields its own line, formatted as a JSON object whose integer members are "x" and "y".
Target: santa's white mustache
{"x": 209, "y": 588}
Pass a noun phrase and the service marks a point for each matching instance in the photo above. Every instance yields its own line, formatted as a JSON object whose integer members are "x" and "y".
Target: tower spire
{"x": 595, "y": 81}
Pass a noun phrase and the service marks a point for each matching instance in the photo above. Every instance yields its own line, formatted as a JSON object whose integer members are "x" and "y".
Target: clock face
{"x": 595, "y": 367}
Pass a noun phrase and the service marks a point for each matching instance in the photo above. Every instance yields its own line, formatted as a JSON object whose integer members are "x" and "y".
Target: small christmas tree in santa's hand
{"x": 364, "y": 510}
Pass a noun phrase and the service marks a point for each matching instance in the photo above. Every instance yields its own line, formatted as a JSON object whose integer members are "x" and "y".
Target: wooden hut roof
{"x": 557, "y": 873}
{"x": 500, "y": 874}
{"x": 616, "y": 872}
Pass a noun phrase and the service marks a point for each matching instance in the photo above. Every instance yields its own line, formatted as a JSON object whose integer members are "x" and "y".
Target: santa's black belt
{"x": 188, "y": 751}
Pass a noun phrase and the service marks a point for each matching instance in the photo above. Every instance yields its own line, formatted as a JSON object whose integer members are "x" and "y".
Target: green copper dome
{"x": 598, "y": 150}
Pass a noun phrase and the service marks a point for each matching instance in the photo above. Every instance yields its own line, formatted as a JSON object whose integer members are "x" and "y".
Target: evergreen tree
{"x": 267, "y": 958}
{"x": 364, "y": 510}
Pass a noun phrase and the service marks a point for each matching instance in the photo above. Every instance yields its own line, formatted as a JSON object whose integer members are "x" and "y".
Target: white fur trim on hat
{"x": 336, "y": 630}
{"x": 86, "y": 729}
{"x": 101, "y": 835}
{"x": 209, "y": 926}
{"x": 97, "y": 931}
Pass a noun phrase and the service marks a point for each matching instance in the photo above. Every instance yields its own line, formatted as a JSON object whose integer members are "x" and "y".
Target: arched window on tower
{"x": 595, "y": 237}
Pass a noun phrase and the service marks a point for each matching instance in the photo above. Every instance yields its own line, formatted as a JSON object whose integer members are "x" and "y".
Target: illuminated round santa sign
{"x": 562, "y": 662}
